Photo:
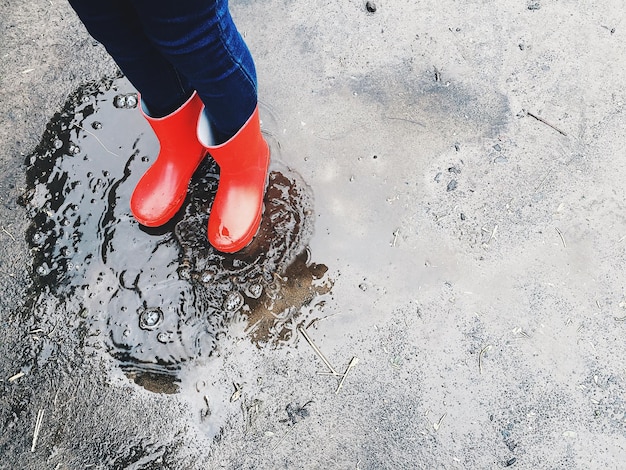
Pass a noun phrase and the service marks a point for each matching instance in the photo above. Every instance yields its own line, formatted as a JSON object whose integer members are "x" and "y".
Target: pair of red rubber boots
{"x": 184, "y": 139}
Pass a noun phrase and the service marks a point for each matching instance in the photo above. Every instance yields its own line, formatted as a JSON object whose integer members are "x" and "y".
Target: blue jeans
{"x": 169, "y": 48}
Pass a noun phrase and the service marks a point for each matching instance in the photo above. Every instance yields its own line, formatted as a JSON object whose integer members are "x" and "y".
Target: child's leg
{"x": 200, "y": 39}
{"x": 116, "y": 25}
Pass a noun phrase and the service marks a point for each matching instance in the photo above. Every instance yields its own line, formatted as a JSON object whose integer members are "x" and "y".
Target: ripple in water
{"x": 155, "y": 298}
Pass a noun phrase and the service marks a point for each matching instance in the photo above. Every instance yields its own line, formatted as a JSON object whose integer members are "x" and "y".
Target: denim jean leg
{"x": 115, "y": 24}
{"x": 201, "y": 40}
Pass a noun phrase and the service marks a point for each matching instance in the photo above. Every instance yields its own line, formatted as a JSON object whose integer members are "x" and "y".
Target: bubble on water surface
{"x": 165, "y": 337}
{"x": 131, "y": 101}
{"x": 74, "y": 149}
{"x": 150, "y": 318}
{"x": 233, "y": 302}
{"x": 254, "y": 291}
{"x": 126, "y": 101}
{"x": 119, "y": 101}
{"x": 43, "y": 270}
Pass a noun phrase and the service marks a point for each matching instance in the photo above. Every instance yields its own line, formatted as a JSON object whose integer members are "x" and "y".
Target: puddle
{"x": 156, "y": 298}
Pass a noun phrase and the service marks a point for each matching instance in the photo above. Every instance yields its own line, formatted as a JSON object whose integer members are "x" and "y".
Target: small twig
{"x": 5, "y": 231}
{"x": 237, "y": 393}
{"x": 353, "y": 362}
{"x": 252, "y": 328}
{"x": 437, "y": 74}
{"x": 289, "y": 430}
{"x": 395, "y": 237}
{"x": 620, "y": 318}
{"x": 393, "y": 118}
{"x": 438, "y": 423}
{"x": 318, "y": 352}
{"x": 561, "y": 235}
{"x": 546, "y": 123}
{"x": 19, "y": 375}
{"x": 37, "y": 429}
{"x": 99, "y": 141}
{"x": 521, "y": 333}
{"x": 317, "y": 320}
{"x": 492, "y": 235}
{"x": 543, "y": 180}
{"x": 480, "y": 357}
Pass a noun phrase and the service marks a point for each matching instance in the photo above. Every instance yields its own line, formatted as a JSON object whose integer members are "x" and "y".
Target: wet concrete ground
{"x": 452, "y": 175}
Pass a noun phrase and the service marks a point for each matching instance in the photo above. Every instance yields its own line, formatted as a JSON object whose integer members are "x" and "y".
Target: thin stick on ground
{"x": 318, "y": 352}
{"x": 562, "y": 237}
{"x": 37, "y": 429}
{"x": 99, "y": 141}
{"x": 543, "y": 180}
{"x": 5, "y": 231}
{"x": 546, "y": 123}
{"x": 480, "y": 357}
{"x": 492, "y": 235}
{"x": 289, "y": 430}
{"x": 437, "y": 425}
{"x": 353, "y": 362}
{"x": 19, "y": 375}
{"x": 395, "y": 237}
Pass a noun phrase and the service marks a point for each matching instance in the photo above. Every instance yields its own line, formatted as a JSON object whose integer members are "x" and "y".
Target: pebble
{"x": 452, "y": 185}
{"x": 370, "y": 6}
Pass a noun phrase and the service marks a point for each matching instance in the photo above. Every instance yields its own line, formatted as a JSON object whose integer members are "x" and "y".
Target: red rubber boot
{"x": 162, "y": 189}
{"x": 243, "y": 160}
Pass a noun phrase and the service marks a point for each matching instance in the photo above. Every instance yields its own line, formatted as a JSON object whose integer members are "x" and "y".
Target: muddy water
{"x": 155, "y": 299}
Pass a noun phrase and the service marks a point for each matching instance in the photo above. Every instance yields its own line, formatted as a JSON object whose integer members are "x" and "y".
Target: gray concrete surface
{"x": 476, "y": 252}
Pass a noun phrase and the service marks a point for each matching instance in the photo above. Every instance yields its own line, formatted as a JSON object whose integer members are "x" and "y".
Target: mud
{"x": 156, "y": 298}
